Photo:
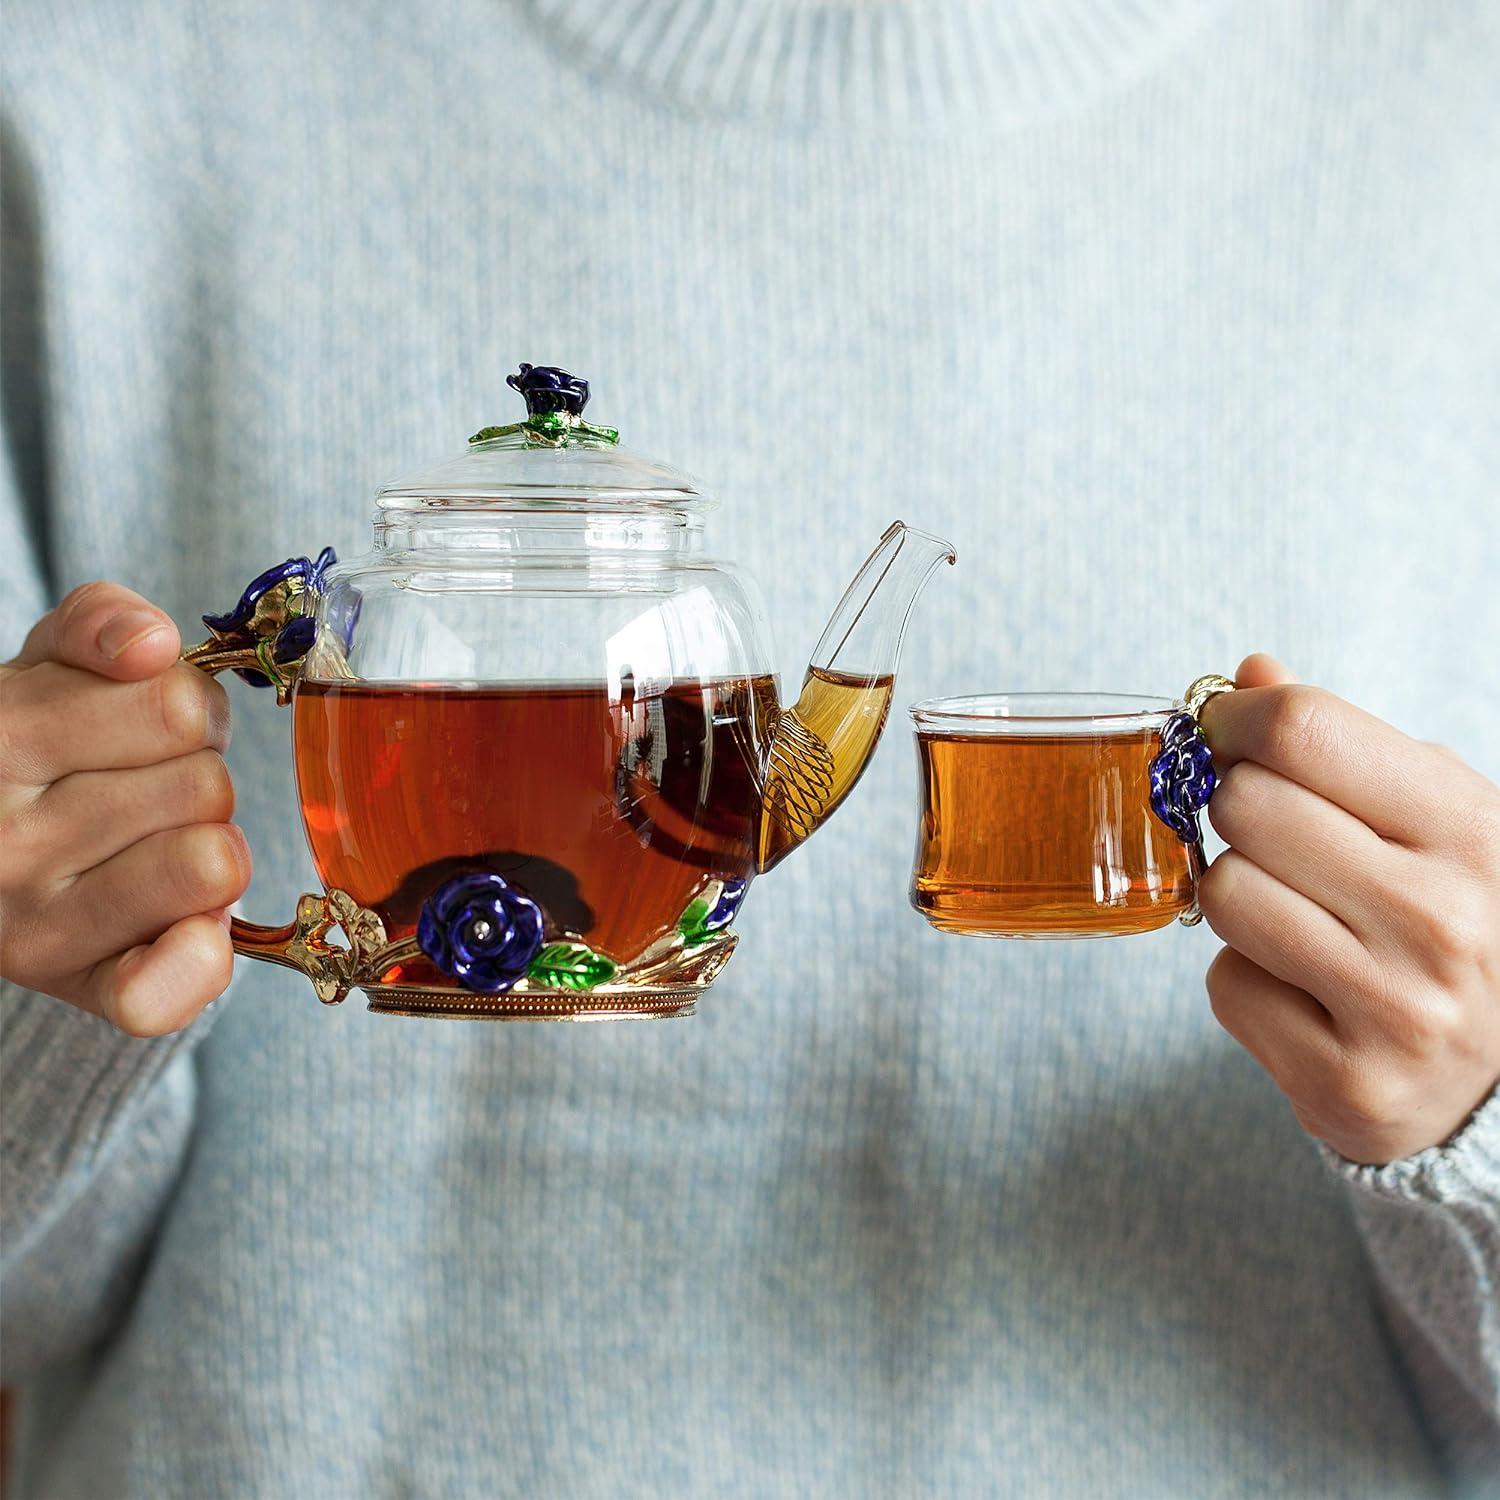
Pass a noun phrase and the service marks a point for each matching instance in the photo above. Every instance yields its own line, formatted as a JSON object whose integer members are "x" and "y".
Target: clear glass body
{"x": 579, "y": 701}
{"x": 574, "y": 697}
{"x": 1036, "y": 819}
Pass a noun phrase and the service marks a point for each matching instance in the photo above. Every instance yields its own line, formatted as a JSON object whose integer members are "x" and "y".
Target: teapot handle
{"x": 263, "y": 640}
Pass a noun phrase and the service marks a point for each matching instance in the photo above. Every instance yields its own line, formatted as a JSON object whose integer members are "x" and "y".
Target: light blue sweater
{"x": 1182, "y": 320}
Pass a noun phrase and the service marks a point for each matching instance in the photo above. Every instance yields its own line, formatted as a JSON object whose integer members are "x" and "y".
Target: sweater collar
{"x": 874, "y": 62}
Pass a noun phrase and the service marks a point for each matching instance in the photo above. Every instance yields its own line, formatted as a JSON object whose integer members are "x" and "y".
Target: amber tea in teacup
{"x": 1036, "y": 817}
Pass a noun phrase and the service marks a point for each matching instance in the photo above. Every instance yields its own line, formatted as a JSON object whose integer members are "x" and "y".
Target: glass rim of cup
{"x": 1042, "y": 713}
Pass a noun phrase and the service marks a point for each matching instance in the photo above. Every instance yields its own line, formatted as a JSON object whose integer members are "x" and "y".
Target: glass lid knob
{"x": 546, "y": 388}
{"x": 554, "y": 410}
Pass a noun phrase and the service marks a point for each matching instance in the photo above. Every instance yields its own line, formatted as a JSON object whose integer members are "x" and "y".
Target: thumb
{"x": 106, "y": 629}
{"x": 1262, "y": 670}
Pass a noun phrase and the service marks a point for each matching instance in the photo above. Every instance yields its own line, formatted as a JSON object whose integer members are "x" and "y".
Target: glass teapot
{"x": 539, "y": 749}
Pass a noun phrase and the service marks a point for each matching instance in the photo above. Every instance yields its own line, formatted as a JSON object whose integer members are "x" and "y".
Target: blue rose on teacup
{"x": 1182, "y": 777}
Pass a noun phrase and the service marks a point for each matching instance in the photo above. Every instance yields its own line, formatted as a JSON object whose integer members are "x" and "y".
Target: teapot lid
{"x": 553, "y": 460}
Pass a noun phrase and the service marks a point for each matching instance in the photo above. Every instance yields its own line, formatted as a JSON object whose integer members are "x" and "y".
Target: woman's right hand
{"x": 117, "y": 858}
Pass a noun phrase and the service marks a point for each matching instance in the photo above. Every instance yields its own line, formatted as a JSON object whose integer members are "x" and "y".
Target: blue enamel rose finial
{"x": 478, "y": 929}
{"x": 548, "y": 389}
{"x": 554, "y": 412}
{"x": 1182, "y": 777}
{"x": 272, "y": 625}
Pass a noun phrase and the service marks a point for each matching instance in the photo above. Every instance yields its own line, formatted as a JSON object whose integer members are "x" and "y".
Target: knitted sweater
{"x": 1180, "y": 319}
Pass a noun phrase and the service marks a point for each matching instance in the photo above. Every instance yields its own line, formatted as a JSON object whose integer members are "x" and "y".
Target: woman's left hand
{"x": 1360, "y": 901}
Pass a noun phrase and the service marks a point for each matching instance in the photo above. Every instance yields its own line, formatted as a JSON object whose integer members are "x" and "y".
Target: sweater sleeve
{"x": 94, "y": 1129}
{"x": 92, "y": 1123}
{"x": 1431, "y": 1223}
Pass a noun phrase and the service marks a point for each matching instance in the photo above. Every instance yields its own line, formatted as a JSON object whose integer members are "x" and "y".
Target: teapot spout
{"x": 821, "y": 745}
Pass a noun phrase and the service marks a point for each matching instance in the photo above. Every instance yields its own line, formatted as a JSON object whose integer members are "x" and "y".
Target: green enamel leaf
{"x": 690, "y": 924}
{"x": 571, "y": 966}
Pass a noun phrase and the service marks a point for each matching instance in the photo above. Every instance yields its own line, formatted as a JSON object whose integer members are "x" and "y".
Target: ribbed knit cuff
{"x": 1431, "y": 1225}
{"x": 1465, "y": 1169}
{"x": 68, "y": 1080}
{"x": 874, "y": 61}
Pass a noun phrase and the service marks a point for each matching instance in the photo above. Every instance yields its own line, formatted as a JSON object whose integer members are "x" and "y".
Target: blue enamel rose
{"x": 726, "y": 908}
{"x": 1182, "y": 777}
{"x": 481, "y": 931}
{"x": 291, "y": 639}
{"x": 300, "y": 570}
{"x": 548, "y": 389}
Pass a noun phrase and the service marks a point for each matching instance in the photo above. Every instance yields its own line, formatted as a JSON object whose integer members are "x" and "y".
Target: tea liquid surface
{"x": 609, "y": 812}
{"x": 1044, "y": 836}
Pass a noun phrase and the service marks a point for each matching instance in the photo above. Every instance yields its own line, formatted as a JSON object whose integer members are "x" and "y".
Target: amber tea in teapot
{"x": 633, "y": 799}
{"x": 540, "y": 750}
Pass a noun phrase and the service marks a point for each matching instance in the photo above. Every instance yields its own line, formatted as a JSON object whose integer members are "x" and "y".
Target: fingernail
{"x": 127, "y": 630}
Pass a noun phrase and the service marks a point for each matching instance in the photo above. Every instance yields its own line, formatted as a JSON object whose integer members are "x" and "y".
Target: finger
{"x": 1283, "y": 931}
{"x": 105, "y": 629}
{"x": 1287, "y": 1032}
{"x": 160, "y": 986}
{"x": 61, "y": 719}
{"x": 1343, "y": 1091}
{"x": 1307, "y": 842}
{"x": 1359, "y": 762}
{"x": 1262, "y": 670}
{"x": 90, "y": 816}
{"x": 134, "y": 897}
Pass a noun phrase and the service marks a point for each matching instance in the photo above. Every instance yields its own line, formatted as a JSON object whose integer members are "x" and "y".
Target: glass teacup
{"x": 1060, "y": 815}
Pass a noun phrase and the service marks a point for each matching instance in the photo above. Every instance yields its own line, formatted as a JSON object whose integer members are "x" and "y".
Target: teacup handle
{"x": 264, "y": 639}
{"x": 1183, "y": 778}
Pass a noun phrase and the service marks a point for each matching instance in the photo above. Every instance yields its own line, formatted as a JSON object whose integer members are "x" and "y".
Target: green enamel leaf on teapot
{"x": 571, "y": 966}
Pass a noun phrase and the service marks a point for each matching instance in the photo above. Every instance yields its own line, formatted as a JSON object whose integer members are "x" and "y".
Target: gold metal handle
{"x": 302, "y": 944}
{"x": 213, "y": 657}
{"x": 265, "y": 638}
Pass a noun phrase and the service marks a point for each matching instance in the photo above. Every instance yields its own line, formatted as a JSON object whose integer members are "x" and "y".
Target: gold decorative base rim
{"x": 594, "y": 1005}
